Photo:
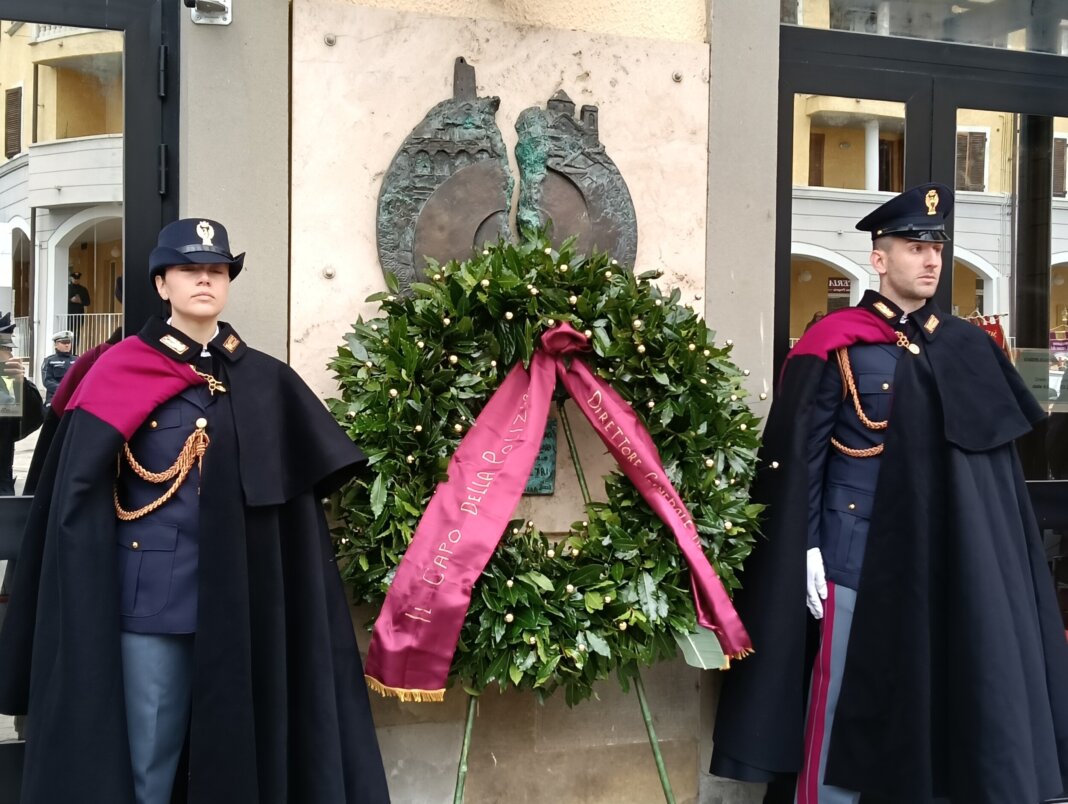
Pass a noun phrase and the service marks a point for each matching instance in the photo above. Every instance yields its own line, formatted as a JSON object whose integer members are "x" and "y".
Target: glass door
{"x": 848, "y": 140}
{"x": 1011, "y": 254}
{"x": 992, "y": 122}
{"x": 86, "y": 178}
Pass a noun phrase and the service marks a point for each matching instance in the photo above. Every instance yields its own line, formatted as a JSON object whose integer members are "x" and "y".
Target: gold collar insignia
{"x": 886, "y": 311}
{"x": 932, "y": 324}
{"x": 231, "y": 343}
{"x": 174, "y": 344}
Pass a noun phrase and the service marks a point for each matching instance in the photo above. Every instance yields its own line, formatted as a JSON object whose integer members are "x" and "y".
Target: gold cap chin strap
{"x": 192, "y": 452}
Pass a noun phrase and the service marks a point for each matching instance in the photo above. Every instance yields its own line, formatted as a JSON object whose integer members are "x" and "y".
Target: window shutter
{"x": 815, "y": 159}
{"x": 13, "y": 122}
{"x": 971, "y": 160}
{"x": 1060, "y": 151}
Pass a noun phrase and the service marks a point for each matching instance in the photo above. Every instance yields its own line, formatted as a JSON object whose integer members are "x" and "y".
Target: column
{"x": 871, "y": 154}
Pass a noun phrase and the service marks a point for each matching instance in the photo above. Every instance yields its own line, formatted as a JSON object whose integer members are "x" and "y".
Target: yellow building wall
{"x": 816, "y": 13}
{"x": 999, "y": 145}
{"x": 79, "y": 103}
{"x": 808, "y": 297}
{"x": 71, "y": 103}
{"x": 86, "y": 105}
{"x": 802, "y": 133}
{"x": 843, "y": 157}
{"x": 963, "y": 296}
{"x": 16, "y": 70}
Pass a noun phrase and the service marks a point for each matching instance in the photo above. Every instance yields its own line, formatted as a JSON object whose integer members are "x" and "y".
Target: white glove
{"x": 816, "y": 583}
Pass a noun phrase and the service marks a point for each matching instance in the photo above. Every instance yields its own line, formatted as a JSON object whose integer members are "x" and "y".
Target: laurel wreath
{"x": 569, "y": 609}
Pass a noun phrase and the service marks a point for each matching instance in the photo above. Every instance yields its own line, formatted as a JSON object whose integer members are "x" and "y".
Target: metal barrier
{"x": 90, "y": 329}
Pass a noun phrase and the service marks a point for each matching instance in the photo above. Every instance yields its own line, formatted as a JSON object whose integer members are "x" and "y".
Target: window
{"x": 1060, "y": 146}
{"x": 13, "y": 122}
{"x": 971, "y": 160}
{"x": 816, "y": 144}
{"x": 891, "y": 165}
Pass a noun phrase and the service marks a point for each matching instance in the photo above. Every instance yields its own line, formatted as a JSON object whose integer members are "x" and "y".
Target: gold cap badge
{"x": 931, "y": 200}
{"x": 207, "y": 232}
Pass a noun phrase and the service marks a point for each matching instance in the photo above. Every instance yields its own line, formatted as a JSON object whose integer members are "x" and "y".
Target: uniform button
{"x": 852, "y": 506}
{"x": 153, "y": 424}
{"x": 135, "y": 545}
{"x": 886, "y": 386}
{"x": 202, "y": 422}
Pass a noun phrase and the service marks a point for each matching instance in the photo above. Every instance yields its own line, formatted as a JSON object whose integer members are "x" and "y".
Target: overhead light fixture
{"x": 805, "y": 276}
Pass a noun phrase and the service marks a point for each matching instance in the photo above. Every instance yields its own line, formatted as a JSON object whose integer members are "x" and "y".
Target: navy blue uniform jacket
{"x": 280, "y": 710}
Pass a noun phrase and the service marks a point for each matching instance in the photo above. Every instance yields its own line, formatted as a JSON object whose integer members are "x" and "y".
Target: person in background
{"x": 56, "y": 365}
{"x": 77, "y": 300}
{"x": 816, "y": 316}
{"x": 189, "y": 606}
{"x": 20, "y": 405}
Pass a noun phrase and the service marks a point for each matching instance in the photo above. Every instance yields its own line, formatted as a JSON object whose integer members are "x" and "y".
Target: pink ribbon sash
{"x": 416, "y": 632}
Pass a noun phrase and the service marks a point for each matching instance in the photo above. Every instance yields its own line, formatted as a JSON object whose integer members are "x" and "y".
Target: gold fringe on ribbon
{"x": 738, "y": 656}
{"x": 408, "y": 696}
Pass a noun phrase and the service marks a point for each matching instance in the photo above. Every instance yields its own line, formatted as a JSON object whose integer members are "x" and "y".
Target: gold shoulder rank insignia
{"x": 174, "y": 344}
{"x": 882, "y": 308}
{"x": 932, "y": 323}
{"x": 231, "y": 343}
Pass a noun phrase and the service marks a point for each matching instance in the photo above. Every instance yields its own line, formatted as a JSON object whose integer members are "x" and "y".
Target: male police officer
{"x": 193, "y": 601}
{"x": 898, "y": 514}
{"x": 56, "y": 365}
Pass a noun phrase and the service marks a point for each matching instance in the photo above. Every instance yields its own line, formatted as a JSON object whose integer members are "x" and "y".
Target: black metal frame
{"x": 150, "y": 182}
{"x": 933, "y": 79}
{"x": 150, "y": 137}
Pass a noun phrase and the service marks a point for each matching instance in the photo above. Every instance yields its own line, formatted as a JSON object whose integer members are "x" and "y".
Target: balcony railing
{"x": 23, "y": 336}
{"x": 43, "y": 33}
{"x": 90, "y": 329}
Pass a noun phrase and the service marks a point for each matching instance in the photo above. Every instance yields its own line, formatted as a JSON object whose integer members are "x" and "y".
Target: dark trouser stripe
{"x": 823, "y": 699}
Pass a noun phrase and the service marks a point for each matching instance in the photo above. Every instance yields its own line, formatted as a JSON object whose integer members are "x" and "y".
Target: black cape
{"x": 956, "y": 681}
{"x": 280, "y": 709}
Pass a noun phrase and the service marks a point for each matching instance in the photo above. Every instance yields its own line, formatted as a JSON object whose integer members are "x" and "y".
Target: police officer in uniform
{"x": 55, "y": 366}
{"x": 897, "y": 511}
{"x": 846, "y": 442}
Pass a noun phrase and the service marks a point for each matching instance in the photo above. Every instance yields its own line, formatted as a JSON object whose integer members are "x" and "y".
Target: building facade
{"x": 804, "y": 115}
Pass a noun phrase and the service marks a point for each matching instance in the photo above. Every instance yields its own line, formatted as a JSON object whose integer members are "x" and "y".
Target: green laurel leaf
{"x": 378, "y": 495}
